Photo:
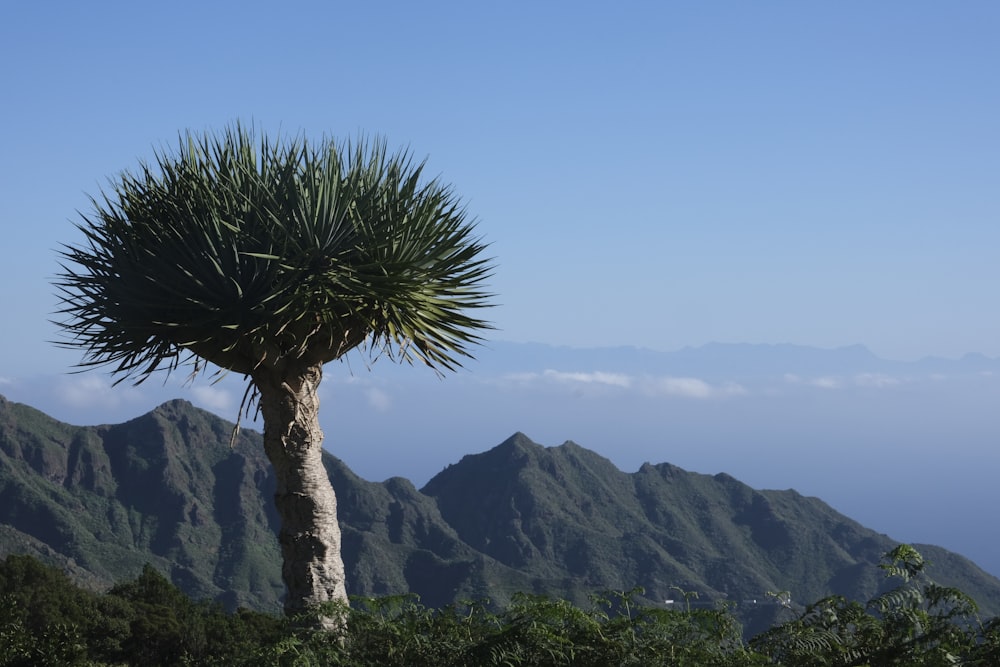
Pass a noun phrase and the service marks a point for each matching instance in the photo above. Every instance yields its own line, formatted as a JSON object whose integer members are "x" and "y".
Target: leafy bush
{"x": 916, "y": 622}
{"x": 46, "y": 620}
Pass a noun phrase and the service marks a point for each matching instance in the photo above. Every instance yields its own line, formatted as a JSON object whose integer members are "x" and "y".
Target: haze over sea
{"x": 651, "y": 176}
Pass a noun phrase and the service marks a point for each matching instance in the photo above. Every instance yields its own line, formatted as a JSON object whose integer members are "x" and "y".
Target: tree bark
{"x": 313, "y": 570}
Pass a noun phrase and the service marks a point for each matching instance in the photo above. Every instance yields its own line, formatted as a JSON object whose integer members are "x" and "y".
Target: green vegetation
{"x": 46, "y": 620}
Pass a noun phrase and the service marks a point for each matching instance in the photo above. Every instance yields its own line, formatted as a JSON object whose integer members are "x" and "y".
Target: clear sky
{"x": 658, "y": 174}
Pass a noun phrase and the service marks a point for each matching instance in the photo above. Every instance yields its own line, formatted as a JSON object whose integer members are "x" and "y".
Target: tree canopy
{"x": 248, "y": 253}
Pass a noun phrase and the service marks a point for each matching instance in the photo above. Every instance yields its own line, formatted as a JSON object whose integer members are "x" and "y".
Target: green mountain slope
{"x": 166, "y": 488}
{"x": 567, "y": 514}
{"x": 163, "y": 488}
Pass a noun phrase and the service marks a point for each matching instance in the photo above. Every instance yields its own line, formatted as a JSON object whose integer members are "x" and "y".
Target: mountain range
{"x": 916, "y": 439}
{"x": 166, "y": 488}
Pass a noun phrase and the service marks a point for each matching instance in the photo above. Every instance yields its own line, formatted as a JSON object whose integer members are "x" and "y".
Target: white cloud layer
{"x": 687, "y": 387}
{"x": 597, "y": 377}
{"x": 378, "y": 399}
{"x": 875, "y": 380}
{"x": 662, "y": 386}
{"x": 93, "y": 392}
{"x": 213, "y": 398}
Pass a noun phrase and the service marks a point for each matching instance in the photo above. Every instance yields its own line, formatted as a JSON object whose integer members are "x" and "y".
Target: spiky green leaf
{"x": 250, "y": 253}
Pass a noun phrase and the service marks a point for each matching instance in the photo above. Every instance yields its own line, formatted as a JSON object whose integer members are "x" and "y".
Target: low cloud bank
{"x": 666, "y": 386}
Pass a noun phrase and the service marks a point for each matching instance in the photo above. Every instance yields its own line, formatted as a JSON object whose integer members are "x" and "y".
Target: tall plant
{"x": 270, "y": 259}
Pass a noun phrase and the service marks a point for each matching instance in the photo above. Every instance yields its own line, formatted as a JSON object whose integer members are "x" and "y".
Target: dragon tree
{"x": 270, "y": 258}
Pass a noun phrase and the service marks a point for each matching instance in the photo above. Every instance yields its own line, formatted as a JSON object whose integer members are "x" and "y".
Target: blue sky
{"x": 653, "y": 174}
{"x": 658, "y": 174}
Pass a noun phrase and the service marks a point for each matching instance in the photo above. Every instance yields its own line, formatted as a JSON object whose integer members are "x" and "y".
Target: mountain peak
{"x": 518, "y": 441}
{"x": 513, "y": 454}
{"x": 177, "y": 406}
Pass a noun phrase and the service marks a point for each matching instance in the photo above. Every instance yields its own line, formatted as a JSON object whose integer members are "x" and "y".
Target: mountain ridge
{"x": 166, "y": 488}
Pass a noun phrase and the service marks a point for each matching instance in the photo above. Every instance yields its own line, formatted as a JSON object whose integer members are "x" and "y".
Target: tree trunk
{"x": 313, "y": 569}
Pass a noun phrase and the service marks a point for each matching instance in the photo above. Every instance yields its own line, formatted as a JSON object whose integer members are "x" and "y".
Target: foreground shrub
{"x": 916, "y": 622}
{"x": 46, "y": 620}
